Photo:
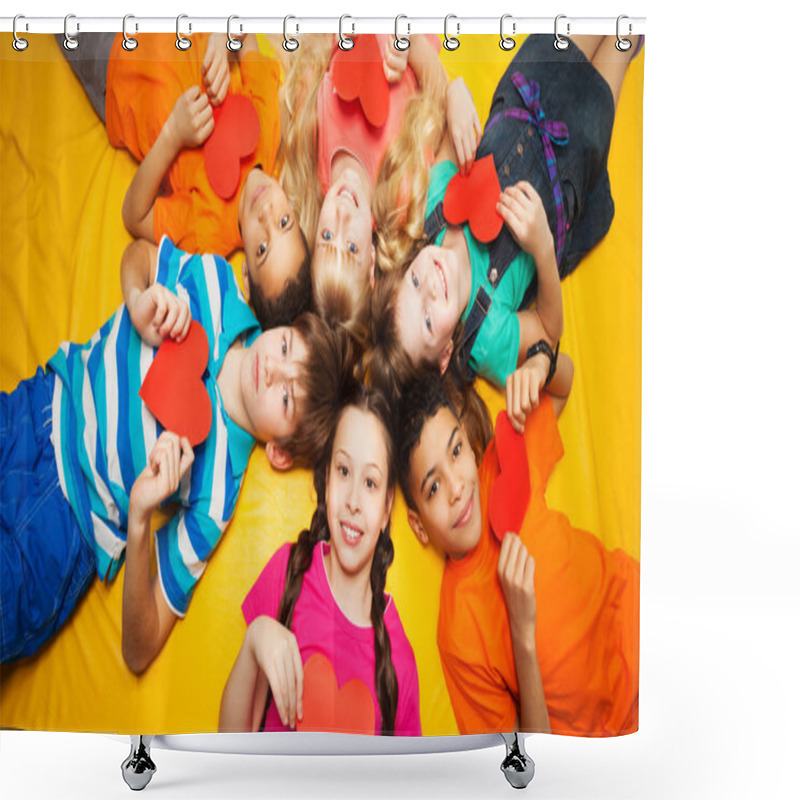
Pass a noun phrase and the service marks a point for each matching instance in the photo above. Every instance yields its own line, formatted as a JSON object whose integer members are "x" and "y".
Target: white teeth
{"x": 351, "y": 534}
{"x": 441, "y": 278}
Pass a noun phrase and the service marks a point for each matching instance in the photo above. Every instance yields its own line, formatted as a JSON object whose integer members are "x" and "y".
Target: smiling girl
{"x": 323, "y": 596}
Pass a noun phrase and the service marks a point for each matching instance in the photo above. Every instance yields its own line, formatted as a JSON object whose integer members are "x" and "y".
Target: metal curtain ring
{"x": 128, "y": 42}
{"x": 19, "y": 44}
{"x": 182, "y": 42}
{"x": 623, "y": 45}
{"x": 233, "y": 44}
{"x": 401, "y": 42}
{"x": 451, "y": 42}
{"x": 506, "y": 42}
{"x": 290, "y": 44}
{"x": 560, "y": 42}
{"x": 345, "y": 42}
{"x": 70, "y": 42}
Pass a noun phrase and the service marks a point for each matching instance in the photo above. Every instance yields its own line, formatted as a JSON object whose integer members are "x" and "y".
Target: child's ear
{"x": 416, "y": 525}
{"x": 278, "y": 457}
{"x": 444, "y": 358}
{"x": 245, "y": 281}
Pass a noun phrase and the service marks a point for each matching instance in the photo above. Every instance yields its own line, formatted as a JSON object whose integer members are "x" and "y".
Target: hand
{"x": 522, "y": 390}
{"x": 522, "y": 210}
{"x": 463, "y": 123}
{"x": 275, "y": 650}
{"x": 216, "y": 69}
{"x": 515, "y": 569}
{"x": 157, "y": 313}
{"x": 168, "y": 462}
{"x": 192, "y": 119}
{"x": 394, "y": 61}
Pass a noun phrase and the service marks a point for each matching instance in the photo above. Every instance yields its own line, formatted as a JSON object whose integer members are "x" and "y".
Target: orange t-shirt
{"x": 587, "y": 615}
{"x": 143, "y": 85}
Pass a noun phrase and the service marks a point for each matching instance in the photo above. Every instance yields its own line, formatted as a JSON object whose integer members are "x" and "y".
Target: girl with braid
{"x": 322, "y": 599}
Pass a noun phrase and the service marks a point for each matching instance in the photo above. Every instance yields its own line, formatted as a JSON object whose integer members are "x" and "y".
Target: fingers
{"x": 217, "y": 80}
{"x": 298, "y": 677}
{"x": 192, "y": 93}
{"x": 186, "y": 457}
{"x": 169, "y": 460}
{"x": 394, "y": 62}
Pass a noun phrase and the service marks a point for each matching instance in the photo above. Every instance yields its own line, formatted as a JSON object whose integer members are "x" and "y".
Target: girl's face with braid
{"x": 358, "y": 495}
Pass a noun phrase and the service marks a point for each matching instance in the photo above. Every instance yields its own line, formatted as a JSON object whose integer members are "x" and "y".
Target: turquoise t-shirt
{"x": 494, "y": 354}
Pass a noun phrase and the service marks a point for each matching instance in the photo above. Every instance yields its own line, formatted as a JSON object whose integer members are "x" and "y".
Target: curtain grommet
{"x": 345, "y": 42}
{"x": 70, "y": 42}
{"x": 182, "y": 42}
{"x": 19, "y": 44}
{"x": 560, "y": 43}
{"x": 233, "y": 44}
{"x": 451, "y": 43}
{"x": 506, "y": 42}
{"x": 401, "y": 43}
{"x": 290, "y": 44}
{"x": 129, "y": 43}
{"x": 623, "y": 45}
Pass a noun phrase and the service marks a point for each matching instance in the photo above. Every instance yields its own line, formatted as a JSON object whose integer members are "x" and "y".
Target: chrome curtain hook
{"x": 70, "y": 42}
{"x": 128, "y": 42}
{"x": 400, "y": 42}
{"x": 560, "y": 42}
{"x": 623, "y": 45}
{"x": 233, "y": 44}
{"x": 290, "y": 44}
{"x": 182, "y": 42}
{"x": 345, "y": 42}
{"x": 451, "y": 42}
{"x": 506, "y": 42}
{"x": 19, "y": 44}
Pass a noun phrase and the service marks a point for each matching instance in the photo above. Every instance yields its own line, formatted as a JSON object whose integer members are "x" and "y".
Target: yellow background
{"x": 61, "y": 240}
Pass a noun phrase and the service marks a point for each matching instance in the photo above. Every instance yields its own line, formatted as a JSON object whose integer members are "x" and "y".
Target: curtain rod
{"x": 404, "y": 25}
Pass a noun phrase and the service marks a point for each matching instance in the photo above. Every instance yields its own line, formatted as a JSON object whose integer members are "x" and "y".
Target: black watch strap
{"x": 543, "y": 347}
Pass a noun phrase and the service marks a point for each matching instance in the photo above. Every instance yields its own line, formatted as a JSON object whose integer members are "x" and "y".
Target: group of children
{"x": 355, "y": 294}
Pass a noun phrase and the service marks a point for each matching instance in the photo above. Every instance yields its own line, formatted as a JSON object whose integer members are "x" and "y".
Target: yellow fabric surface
{"x": 61, "y": 240}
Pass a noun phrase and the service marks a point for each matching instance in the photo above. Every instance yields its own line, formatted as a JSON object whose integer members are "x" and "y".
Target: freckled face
{"x": 358, "y": 495}
{"x": 443, "y": 477}
{"x": 427, "y": 305}
{"x": 273, "y": 396}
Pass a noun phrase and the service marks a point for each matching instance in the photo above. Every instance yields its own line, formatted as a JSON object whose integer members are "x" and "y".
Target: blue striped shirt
{"x": 103, "y": 432}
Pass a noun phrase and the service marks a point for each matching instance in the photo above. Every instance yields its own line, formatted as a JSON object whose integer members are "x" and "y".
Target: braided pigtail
{"x": 385, "y": 673}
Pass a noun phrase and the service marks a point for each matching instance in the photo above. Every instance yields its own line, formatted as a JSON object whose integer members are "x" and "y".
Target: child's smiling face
{"x": 359, "y": 497}
{"x": 271, "y": 236}
{"x": 444, "y": 483}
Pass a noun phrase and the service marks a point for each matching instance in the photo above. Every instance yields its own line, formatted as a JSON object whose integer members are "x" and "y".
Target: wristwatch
{"x": 543, "y": 347}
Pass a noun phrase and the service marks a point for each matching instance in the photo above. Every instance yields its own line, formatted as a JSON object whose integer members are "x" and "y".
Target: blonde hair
{"x": 300, "y": 143}
{"x": 341, "y": 296}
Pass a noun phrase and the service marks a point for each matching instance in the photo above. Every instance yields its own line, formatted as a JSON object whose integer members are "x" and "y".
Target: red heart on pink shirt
{"x": 234, "y": 138}
{"x": 473, "y": 198}
{"x": 512, "y": 487}
{"x": 358, "y": 75}
{"x": 173, "y": 388}
{"x": 326, "y": 707}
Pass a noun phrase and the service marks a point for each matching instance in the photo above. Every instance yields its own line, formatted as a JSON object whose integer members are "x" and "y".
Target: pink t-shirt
{"x": 343, "y": 126}
{"x": 320, "y": 626}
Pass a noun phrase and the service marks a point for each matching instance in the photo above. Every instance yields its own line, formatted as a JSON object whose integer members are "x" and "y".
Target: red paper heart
{"x": 512, "y": 487}
{"x": 326, "y": 707}
{"x": 358, "y": 75}
{"x": 472, "y": 198}
{"x": 235, "y": 137}
{"x": 173, "y": 387}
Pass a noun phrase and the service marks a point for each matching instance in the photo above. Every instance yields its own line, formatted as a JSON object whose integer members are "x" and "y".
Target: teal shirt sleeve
{"x": 494, "y": 354}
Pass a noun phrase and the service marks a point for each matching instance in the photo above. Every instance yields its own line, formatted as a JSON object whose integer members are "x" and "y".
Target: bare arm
{"x": 189, "y": 124}
{"x": 427, "y": 68}
{"x": 525, "y": 384}
{"x": 237, "y": 709}
{"x": 147, "y": 619}
{"x": 515, "y": 569}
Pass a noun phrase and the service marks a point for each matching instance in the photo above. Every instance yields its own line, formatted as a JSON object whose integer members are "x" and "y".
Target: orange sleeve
{"x": 543, "y": 442}
{"x": 261, "y": 79}
{"x": 481, "y": 700}
{"x": 173, "y": 216}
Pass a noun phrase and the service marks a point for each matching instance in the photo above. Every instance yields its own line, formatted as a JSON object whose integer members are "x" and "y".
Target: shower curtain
{"x": 64, "y": 178}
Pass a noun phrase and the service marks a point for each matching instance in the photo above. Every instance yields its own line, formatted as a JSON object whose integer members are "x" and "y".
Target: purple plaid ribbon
{"x": 552, "y": 132}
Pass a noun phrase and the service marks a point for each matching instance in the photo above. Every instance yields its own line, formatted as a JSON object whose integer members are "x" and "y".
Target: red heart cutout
{"x": 358, "y": 75}
{"x": 173, "y": 387}
{"x": 234, "y": 138}
{"x": 512, "y": 487}
{"x": 472, "y": 198}
{"x": 326, "y": 707}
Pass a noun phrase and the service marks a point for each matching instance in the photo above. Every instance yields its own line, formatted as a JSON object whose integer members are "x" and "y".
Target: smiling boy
{"x": 548, "y": 615}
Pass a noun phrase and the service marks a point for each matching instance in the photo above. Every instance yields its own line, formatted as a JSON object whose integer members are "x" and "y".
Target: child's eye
{"x": 457, "y": 450}
{"x": 262, "y": 248}
{"x": 414, "y": 281}
{"x": 370, "y": 483}
{"x": 343, "y": 471}
{"x": 428, "y": 323}
{"x": 434, "y": 488}
{"x": 284, "y": 348}
{"x": 352, "y": 247}
{"x": 326, "y": 235}
{"x": 284, "y": 220}
{"x": 285, "y": 399}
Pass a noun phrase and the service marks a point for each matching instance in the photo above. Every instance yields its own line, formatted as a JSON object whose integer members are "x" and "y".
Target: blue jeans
{"x": 45, "y": 562}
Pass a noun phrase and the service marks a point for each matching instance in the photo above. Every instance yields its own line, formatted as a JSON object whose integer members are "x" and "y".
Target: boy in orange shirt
{"x": 157, "y": 102}
{"x": 559, "y": 653}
